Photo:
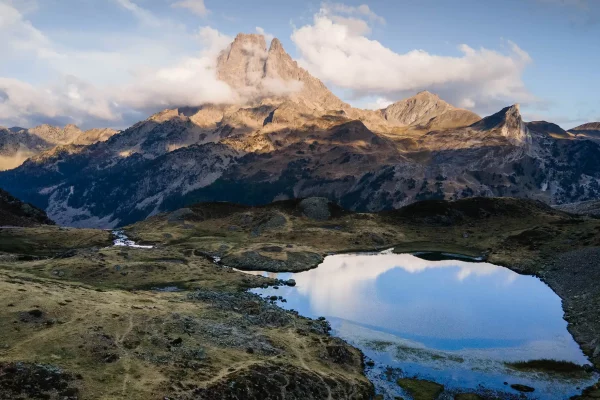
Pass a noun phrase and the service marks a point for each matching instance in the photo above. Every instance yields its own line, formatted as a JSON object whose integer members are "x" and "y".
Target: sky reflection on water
{"x": 478, "y": 313}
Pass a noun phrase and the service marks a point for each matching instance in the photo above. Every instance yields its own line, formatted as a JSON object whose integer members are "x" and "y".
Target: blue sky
{"x": 112, "y": 62}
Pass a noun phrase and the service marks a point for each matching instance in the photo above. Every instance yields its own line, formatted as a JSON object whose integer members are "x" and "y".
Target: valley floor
{"x": 81, "y": 318}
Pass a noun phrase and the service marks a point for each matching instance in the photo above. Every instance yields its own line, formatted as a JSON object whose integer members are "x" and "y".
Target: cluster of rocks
{"x": 316, "y": 208}
{"x": 254, "y": 261}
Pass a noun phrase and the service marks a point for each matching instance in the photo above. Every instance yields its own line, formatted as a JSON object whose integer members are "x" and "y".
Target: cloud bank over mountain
{"x": 142, "y": 74}
{"x": 341, "y": 53}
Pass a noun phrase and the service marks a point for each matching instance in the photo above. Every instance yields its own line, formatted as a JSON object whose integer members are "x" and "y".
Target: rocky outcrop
{"x": 508, "y": 123}
{"x": 13, "y": 212}
{"x": 316, "y": 208}
{"x": 292, "y": 261}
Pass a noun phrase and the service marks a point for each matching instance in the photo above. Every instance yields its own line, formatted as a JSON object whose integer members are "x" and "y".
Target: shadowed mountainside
{"x": 14, "y": 212}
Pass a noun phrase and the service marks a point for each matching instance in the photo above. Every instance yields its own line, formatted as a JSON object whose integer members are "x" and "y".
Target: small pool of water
{"x": 453, "y": 322}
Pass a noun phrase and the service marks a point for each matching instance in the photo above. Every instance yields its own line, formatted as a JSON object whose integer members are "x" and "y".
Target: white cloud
{"x": 356, "y": 19}
{"x": 478, "y": 78}
{"x": 355, "y": 26}
{"x": 362, "y": 11}
{"x": 69, "y": 100}
{"x": 145, "y": 16}
{"x": 135, "y": 90}
{"x": 378, "y": 104}
{"x": 196, "y": 6}
{"x": 190, "y": 82}
{"x": 268, "y": 37}
{"x": 19, "y": 35}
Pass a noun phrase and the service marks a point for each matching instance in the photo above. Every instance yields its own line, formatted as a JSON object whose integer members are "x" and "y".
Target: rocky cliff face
{"x": 290, "y": 137}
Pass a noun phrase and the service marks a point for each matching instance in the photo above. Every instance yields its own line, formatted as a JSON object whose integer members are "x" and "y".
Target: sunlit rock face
{"x": 286, "y": 135}
{"x": 453, "y": 322}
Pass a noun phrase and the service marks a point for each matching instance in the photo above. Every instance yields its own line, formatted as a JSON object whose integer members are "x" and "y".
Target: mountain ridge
{"x": 303, "y": 142}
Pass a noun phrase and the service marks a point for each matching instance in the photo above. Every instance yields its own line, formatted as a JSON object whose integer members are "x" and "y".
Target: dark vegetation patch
{"x": 36, "y": 381}
{"x": 531, "y": 238}
{"x": 439, "y": 212}
{"x": 545, "y": 365}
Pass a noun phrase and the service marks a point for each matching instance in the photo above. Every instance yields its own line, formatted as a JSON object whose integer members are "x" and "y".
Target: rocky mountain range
{"x": 18, "y": 144}
{"x": 288, "y": 136}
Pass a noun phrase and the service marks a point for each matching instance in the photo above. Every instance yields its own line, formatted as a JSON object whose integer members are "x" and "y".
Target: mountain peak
{"x": 276, "y": 46}
{"x": 416, "y": 110}
{"x": 250, "y": 38}
{"x": 257, "y": 74}
{"x": 509, "y": 122}
{"x": 426, "y": 94}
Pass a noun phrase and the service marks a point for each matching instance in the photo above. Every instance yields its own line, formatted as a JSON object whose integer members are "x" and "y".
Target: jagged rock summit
{"x": 508, "y": 122}
{"x": 258, "y": 74}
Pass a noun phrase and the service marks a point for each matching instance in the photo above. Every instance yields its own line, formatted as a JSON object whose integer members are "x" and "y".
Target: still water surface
{"x": 450, "y": 321}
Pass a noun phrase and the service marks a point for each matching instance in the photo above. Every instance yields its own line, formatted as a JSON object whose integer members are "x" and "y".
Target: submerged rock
{"x": 522, "y": 388}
